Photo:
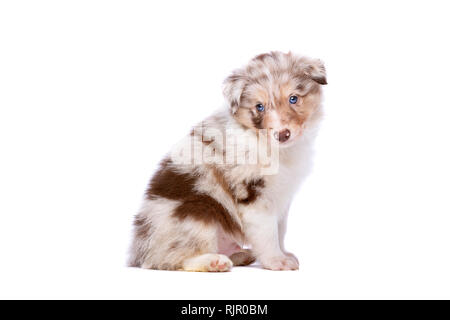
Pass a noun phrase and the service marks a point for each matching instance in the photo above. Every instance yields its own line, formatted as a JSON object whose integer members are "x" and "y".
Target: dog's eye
{"x": 293, "y": 99}
{"x": 260, "y": 107}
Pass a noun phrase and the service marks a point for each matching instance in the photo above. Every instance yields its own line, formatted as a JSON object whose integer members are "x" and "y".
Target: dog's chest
{"x": 281, "y": 187}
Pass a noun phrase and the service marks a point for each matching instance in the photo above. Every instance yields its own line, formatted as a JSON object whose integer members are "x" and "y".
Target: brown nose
{"x": 283, "y": 135}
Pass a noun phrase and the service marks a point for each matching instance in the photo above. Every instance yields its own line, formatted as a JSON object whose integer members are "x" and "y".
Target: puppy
{"x": 217, "y": 199}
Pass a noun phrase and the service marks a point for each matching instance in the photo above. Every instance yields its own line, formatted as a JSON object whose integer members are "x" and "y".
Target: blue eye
{"x": 293, "y": 99}
{"x": 260, "y": 107}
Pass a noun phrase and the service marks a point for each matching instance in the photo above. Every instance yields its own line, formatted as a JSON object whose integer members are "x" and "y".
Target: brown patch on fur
{"x": 141, "y": 227}
{"x": 202, "y": 207}
{"x": 320, "y": 80}
{"x": 251, "y": 119}
{"x": 221, "y": 180}
{"x": 257, "y": 119}
{"x": 253, "y": 191}
{"x": 170, "y": 184}
{"x": 316, "y": 72}
{"x": 242, "y": 258}
{"x": 207, "y": 142}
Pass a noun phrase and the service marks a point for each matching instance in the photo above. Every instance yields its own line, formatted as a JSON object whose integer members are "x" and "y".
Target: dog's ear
{"x": 315, "y": 70}
{"x": 233, "y": 87}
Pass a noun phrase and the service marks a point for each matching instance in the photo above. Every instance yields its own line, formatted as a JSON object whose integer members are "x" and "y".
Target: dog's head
{"x": 276, "y": 91}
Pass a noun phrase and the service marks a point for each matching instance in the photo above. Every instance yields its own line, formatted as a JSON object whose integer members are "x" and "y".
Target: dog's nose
{"x": 283, "y": 135}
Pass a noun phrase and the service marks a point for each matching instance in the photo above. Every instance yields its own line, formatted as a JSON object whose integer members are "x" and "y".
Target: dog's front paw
{"x": 292, "y": 256}
{"x": 282, "y": 262}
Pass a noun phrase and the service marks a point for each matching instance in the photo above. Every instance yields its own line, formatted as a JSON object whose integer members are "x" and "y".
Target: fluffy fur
{"x": 199, "y": 214}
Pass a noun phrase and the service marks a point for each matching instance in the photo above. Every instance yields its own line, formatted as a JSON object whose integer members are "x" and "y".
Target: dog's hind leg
{"x": 242, "y": 258}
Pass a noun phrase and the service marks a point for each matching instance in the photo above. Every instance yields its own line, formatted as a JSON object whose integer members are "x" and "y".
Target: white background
{"x": 93, "y": 94}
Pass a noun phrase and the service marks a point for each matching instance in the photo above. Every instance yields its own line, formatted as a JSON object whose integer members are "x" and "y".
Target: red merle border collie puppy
{"x": 218, "y": 191}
